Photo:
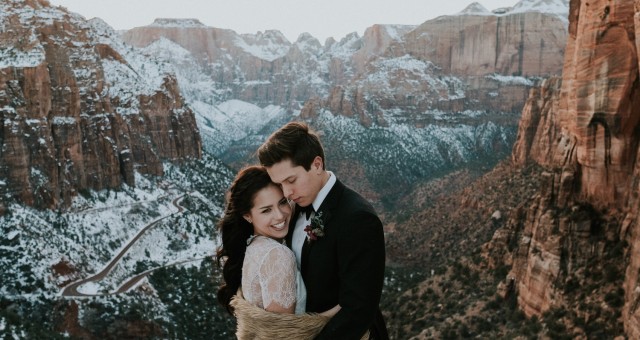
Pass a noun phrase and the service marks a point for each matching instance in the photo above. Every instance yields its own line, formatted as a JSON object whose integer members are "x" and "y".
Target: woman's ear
{"x": 248, "y": 218}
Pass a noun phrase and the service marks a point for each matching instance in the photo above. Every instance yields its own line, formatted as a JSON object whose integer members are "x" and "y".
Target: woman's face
{"x": 270, "y": 213}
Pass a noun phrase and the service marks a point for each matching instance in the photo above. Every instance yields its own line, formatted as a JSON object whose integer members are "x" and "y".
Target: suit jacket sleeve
{"x": 361, "y": 262}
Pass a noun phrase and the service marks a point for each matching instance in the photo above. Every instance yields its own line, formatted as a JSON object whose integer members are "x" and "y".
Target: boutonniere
{"x": 315, "y": 229}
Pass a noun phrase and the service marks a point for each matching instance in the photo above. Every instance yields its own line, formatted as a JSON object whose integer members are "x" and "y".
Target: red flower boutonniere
{"x": 315, "y": 229}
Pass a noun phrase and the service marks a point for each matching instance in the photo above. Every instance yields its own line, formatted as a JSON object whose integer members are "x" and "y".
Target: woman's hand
{"x": 331, "y": 312}
{"x": 276, "y": 308}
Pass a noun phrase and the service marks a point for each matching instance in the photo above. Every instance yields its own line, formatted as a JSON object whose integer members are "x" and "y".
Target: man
{"x": 335, "y": 233}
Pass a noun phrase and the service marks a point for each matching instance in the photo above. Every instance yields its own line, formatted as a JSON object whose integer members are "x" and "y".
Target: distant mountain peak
{"x": 176, "y": 22}
{"x": 305, "y": 36}
{"x": 544, "y": 6}
{"x": 475, "y": 9}
{"x": 559, "y": 8}
{"x": 268, "y": 37}
{"x": 274, "y": 34}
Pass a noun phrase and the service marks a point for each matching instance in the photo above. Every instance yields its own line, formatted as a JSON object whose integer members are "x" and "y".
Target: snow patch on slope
{"x": 268, "y": 46}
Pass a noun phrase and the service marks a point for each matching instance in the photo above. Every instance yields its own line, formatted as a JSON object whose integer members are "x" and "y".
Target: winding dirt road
{"x": 134, "y": 280}
{"x": 72, "y": 288}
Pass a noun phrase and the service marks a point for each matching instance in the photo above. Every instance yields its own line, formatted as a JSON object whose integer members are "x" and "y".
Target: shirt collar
{"x": 322, "y": 194}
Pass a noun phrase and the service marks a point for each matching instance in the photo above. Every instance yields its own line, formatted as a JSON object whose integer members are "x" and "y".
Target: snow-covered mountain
{"x": 451, "y": 74}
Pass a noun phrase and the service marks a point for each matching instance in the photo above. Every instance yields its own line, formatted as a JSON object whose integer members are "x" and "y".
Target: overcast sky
{"x": 321, "y": 18}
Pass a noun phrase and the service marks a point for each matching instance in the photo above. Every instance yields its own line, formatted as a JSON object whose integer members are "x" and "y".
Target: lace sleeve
{"x": 278, "y": 277}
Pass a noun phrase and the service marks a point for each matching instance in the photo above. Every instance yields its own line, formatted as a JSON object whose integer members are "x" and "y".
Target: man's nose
{"x": 287, "y": 191}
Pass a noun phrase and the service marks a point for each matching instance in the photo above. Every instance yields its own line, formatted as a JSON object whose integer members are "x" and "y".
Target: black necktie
{"x": 307, "y": 210}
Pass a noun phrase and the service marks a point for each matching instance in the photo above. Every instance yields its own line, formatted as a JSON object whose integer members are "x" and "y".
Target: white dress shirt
{"x": 299, "y": 235}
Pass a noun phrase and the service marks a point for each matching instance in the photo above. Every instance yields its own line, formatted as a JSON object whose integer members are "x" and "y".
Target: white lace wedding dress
{"x": 270, "y": 274}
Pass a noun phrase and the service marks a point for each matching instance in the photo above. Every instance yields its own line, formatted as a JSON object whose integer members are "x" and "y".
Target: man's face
{"x": 298, "y": 184}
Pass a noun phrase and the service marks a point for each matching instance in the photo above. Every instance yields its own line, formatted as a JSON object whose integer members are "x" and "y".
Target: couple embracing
{"x": 303, "y": 255}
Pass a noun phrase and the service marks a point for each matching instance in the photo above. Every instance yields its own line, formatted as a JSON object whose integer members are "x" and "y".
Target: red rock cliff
{"x": 527, "y": 44}
{"x": 71, "y": 114}
{"x": 585, "y": 130}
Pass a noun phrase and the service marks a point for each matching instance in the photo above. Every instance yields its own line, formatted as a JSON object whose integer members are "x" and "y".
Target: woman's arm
{"x": 278, "y": 280}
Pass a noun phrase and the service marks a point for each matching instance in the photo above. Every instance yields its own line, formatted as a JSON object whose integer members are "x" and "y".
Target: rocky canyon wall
{"x": 585, "y": 130}
{"x": 457, "y": 63}
{"x": 518, "y": 44}
{"x": 71, "y": 117}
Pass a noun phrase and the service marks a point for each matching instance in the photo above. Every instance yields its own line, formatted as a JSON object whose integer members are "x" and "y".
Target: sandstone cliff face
{"x": 538, "y": 130}
{"x": 526, "y": 44}
{"x": 72, "y": 115}
{"x": 451, "y": 63}
{"x": 585, "y": 132}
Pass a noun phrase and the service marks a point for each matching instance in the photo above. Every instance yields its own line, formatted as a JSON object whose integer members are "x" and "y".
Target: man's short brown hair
{"x": 295, "y": 142}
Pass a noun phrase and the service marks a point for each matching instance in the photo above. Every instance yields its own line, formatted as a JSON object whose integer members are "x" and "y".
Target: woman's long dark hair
{"x": 235, "y": 230}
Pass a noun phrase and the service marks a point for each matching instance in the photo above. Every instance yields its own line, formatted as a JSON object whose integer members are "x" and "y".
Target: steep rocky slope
{"x": 79, "y": 109}
{"x": 576, "y": 247}
{"x": 446, "y": 288}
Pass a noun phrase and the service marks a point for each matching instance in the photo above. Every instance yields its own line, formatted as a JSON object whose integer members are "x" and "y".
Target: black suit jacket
{"x": 346, "y": 266}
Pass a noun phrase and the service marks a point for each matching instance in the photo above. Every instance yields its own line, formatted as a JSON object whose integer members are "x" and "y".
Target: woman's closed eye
{"x": 284, "y": 201}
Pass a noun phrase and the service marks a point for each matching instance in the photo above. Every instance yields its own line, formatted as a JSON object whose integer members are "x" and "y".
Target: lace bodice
{"x": 270, "y": 274}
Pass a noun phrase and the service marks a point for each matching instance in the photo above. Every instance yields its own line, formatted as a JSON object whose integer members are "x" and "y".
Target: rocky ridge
{"x": 79, "y": 109}
{"x": 440, "y": 56}
{"x": 428, "y": 118}
{"x": 460, "y": 62}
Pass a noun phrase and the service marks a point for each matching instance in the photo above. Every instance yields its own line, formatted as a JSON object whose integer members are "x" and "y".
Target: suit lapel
{"x": 330, "y": 202}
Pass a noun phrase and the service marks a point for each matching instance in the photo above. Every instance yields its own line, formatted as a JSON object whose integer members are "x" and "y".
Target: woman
{"x": 255, "y": 259}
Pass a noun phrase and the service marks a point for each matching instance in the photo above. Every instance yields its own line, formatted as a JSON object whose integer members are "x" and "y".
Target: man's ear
{"x": 317, "y": 163}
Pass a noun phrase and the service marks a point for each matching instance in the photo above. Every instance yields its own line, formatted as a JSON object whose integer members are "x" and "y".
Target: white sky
{"x": 320, "y": 18}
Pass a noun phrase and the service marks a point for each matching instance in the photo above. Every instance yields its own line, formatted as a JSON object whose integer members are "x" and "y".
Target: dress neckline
{"x": 254, "y": 236}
